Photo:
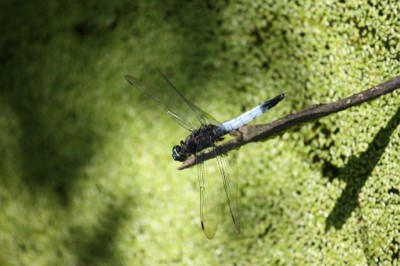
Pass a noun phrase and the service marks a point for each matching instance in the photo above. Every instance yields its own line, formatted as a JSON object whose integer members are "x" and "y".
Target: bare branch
{"x": 264, "y": 131}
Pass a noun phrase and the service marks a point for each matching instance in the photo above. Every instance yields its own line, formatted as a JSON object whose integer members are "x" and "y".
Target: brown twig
{"x": 264, "y": 131}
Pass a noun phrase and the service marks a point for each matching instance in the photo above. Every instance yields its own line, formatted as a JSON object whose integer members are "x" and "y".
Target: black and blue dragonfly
{"x": 205, "y": 133}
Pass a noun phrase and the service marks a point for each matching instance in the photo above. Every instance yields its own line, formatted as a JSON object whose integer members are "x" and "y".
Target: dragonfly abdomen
{"x": 249, "y": 116}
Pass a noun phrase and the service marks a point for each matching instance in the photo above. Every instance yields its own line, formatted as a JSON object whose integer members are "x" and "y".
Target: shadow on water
{"x": 197, "y": 22}
{"x": 58, "y": 125}
{"x": 43, "y": 63}
{"x": 96, "y": 244}
{"x": 355, "y": 173}
{"x": 53, "y": 147}
{"x": 56, "y": 139}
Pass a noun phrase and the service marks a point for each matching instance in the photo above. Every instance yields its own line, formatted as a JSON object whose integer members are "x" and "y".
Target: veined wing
{"x": 164, "y": 94}
{"x": 231, "y": 186}
{"x": 210, "y": 195}
{"x": 202, "y": 116}
{"x": 213, "y": 175}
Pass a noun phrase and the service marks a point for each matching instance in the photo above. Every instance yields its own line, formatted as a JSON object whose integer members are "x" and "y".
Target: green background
{"x": 86, "y": 175}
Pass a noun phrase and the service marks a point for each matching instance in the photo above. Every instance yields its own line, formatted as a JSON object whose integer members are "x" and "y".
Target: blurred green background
{"x": 86, "y": 175}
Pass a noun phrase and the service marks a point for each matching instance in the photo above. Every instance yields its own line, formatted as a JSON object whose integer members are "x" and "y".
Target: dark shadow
{"x": 96, "y": 245}
{"x": 52, "y": 150}
{"x": 48, "y": 52}
{"x": 196, "y": 24}
{"x": 355, "y": 173}
{"x": 57, "y": 140}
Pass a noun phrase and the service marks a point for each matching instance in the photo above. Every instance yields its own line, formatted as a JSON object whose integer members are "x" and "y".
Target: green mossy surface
{"x": 86, "y": 176}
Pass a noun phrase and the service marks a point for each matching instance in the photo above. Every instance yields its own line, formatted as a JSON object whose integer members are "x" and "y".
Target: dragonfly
{"x": 205, "y": 134}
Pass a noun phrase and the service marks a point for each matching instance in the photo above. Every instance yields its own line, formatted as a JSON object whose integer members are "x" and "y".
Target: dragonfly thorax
{"x": 197, "y": 141}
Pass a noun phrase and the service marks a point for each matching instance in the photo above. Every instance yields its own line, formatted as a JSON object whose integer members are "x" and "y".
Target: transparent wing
{"x": 213, "y": 175}
{"x": 162, "y": 92}
{"x": 210, "y": 195}
{"x": 202, "y": 116}
{"x": 230, "y": 181}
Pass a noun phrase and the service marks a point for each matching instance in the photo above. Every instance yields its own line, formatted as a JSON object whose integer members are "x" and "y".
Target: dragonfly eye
{"x": 177, "y": 154}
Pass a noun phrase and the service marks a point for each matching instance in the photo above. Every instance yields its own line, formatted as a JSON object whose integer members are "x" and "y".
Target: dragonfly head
{"x": 178, "y": 154}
